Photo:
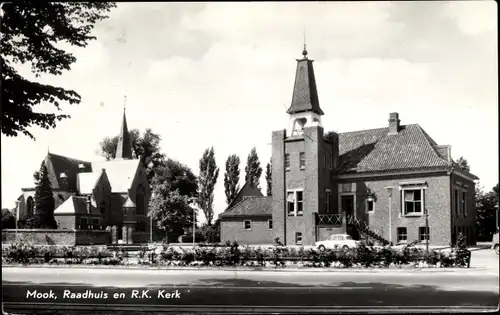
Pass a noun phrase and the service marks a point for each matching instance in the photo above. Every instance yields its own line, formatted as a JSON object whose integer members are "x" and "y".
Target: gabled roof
{"x": 121, "y": 173}
{"x": 374, "y": 150}
{"x": 72, "y": 205}
{"x": 248, "y": 190}
{"x": 57, "y": 165}
{"x": 87, "y": 182}
{"x": 128, "y": 203}
{"x": 305, "y": 93}
{"x": 250, "y": 206}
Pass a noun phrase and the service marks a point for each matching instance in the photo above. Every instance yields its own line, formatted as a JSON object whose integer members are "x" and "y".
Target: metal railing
{"x": 329, "y": 219}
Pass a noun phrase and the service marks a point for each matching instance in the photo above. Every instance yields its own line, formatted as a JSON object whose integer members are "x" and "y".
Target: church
{"x": 92, "y": 196}
{"x": 393, "y": 184}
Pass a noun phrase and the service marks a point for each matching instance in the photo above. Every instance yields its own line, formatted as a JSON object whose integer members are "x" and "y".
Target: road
{"x": 261, "y": 291}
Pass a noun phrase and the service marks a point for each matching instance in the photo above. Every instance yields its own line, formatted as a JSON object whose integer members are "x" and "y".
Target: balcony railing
{"x": 329, "y": 219}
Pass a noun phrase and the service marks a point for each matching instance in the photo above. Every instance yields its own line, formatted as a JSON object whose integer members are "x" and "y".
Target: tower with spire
{"x": 302, "y": 159}
{"x": 124, "y": 147}
{"x": 304, "y": 110}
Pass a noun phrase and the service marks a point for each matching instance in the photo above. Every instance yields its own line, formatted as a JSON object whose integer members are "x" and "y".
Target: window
{"x": 30, "y": 205}
{"x": 300, "y": 202}
{"x": 464, "y": 204}
{"x": 95, "y": 223}
{"x": 287, "y": 161}
{"x": 140, "y": 226}
{"x": 331, "y": 162}
{"x": 295, "y": 203}
{"x": 248, "y": 225}
{"x": 83, "y": 223}
{"x": 290, "y": 201}
{"x": 298, "y": 238}
{"x": 370, "y": 205}
{"x": 102, "y": 208}
{"x": 302, "y": 160}
{"x": 402, "y": 235}
{"x": 456, "y": 203}
{"x": 140, "y": 201}
{"x": 327, "y": 200}
{"x": 423, "y": 233}
{"x": 412, "y": 202}
{"x": 270, "y": 224}
{"x": 324, "y": 160}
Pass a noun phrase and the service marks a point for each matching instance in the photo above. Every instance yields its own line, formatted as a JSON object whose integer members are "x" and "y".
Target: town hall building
{"x": 92, "y": 196}
{"x": 393, "y": 184}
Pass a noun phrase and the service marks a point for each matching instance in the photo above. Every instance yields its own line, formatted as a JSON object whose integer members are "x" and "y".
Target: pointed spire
{"x": 124, "y": 148}
{"x": 305, "y": 93}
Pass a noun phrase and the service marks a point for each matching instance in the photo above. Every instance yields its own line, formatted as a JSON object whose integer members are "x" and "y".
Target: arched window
{"x": 102, "y": 208}
{"x": 30, "y": 205}
{"x": 140, "y": 200}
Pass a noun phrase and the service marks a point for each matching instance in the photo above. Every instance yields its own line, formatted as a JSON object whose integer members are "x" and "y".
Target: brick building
{"x": 376, "y": 183}
{"x": 96, "y": 195}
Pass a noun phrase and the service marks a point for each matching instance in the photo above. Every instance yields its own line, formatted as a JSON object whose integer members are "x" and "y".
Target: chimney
{"x": 444, "y": 151}
{"x": 334, "y": 138}
{"x": 89, "y": 205}
{"x": 393, "y": 123}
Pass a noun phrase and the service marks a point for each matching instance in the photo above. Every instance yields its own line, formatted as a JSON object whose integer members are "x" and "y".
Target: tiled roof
{"x": 248, "y": 190}
{"x": 305, "y": 93}
{"x": 72, "y": 205}
{"x": 58, "y": 164}
{"x": 87, "y": 182}
{"x": 251, "y": 206}
{"x": 120, "y": 173}
{"x": 374, "y": 150}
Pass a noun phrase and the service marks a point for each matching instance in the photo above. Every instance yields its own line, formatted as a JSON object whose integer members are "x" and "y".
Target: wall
{"x": 459, "y": 223}
{"x": 437, "y": 201}
{"x": 65, "y": 221}
{"x": 233, "y": 229}
{"x": 56, "y": 237}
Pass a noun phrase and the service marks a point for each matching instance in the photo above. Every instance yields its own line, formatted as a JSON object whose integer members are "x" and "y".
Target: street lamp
{"x": 192, "y": 200}
{"x": 151, "y": 222}
{"x": 389, "y": 191}
{"x": 17, "y": 214}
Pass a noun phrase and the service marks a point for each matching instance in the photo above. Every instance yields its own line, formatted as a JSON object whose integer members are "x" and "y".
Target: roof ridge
{"x": 428, "y": 142}
{"x": 67, "y": 157}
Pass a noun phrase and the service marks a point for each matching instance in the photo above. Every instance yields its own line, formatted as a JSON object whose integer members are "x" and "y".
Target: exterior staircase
{"x": 363, "y": 229}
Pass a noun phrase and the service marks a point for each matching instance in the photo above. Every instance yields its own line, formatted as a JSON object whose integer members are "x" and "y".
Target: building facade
{"x": 111, "y": 195}
{"x": 393, "y": 184}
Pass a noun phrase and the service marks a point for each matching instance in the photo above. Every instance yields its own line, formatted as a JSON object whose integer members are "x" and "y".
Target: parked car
{"x": 494, "y": 243}
{"x": 344, "y": 241}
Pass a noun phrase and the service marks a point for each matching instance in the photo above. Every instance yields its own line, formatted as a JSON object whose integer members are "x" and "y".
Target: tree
{"x": 253, "y": 169}
{"x": 145, "y": 147}
{"x": 486, "y": 213}
{"x": 31, "y": 32}
{"x": 44, "y": 201}
{"x": 463, "y": 164}
{"x": 231, "y": 178}
{"x": 174, "y": 184}
{"x": 209, "y": 172}
{"x": 269, "y": 179}
{"x": 8, "y": 219}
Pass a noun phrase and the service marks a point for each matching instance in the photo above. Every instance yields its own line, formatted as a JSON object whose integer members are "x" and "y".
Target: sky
{"x": 222, "y": 74}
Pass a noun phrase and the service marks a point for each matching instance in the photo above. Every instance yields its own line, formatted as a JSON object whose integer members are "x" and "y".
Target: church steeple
{"x": 124, "y": 148}
{"x": 305, "y": 94}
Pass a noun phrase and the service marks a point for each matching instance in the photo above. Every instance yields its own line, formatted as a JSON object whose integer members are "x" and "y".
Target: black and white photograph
{"x": 249, "y": 157}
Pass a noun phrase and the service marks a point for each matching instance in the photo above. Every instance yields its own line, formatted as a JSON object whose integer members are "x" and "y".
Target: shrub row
{"x": 235, "y": 255}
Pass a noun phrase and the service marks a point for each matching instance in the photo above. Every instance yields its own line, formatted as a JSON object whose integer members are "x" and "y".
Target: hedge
{"x": 365, "y": 255}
